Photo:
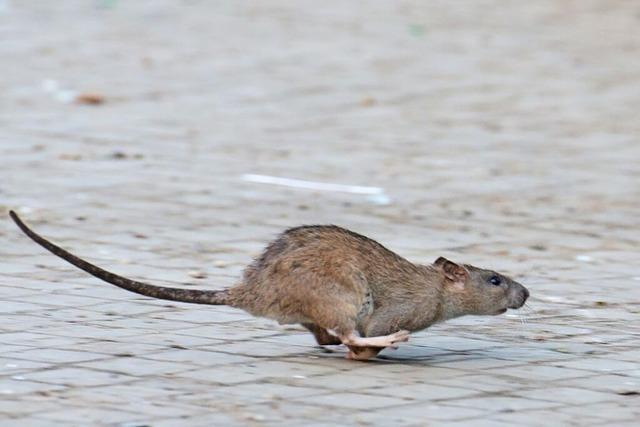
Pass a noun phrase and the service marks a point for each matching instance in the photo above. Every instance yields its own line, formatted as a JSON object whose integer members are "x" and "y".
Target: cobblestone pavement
{"x": 505, "y": 133}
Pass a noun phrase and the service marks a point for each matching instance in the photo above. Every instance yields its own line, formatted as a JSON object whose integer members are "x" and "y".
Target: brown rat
{"x": 342, "y": 286}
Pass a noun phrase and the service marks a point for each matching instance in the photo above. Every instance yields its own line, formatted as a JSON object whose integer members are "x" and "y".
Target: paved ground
{"x": 505, "y": 133}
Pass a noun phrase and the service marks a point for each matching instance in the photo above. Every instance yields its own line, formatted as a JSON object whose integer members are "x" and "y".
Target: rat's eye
{"x": 495, "y": 280}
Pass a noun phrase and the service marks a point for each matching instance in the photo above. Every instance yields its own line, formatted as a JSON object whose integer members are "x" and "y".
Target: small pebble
{"x": 70, "y": 156}
{"x": 89, "y": 99}
{"x": 118, "y": 155}
{"x": 368, "y": 102}
{"x": 197, "y": 274}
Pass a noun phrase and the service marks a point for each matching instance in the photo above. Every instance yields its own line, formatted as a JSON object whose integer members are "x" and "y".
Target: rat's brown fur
{"x": 336, "y": 282}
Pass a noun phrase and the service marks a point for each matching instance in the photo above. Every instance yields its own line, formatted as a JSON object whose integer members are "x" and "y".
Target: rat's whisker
{"x": 523, "y": 320}
{"x": 528, "y": 308}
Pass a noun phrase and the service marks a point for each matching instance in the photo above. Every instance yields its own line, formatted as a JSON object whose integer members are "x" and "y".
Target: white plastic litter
{"x": 53, "y": 88}
{"x": 374, "y": 194}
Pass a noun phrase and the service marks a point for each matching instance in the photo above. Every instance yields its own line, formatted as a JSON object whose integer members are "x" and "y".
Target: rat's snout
{"x": 518, "y": 295}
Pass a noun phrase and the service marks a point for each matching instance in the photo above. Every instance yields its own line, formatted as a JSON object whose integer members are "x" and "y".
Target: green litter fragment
{"x": 416, "y": 30}
{"x": 107, "y": 4}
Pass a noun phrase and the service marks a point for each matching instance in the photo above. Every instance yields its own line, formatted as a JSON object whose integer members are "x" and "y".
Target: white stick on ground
{"x": 374, "y": 194}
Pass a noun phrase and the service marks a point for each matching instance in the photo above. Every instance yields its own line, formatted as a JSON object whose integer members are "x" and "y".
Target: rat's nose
{"x": 525, "y": 293}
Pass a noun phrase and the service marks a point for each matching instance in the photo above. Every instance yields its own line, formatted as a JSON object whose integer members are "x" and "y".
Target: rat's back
{"x": 322, "y": 246}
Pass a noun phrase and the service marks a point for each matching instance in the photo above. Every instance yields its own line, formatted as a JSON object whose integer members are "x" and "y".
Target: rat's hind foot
{"x": 382, "y": 341}
{"x": 363, "y": 353}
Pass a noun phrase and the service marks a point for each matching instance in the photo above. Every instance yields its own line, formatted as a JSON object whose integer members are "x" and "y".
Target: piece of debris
{"x": 70, "y": 156}
{"x": 629, "y": 393}
{"x": 179, "y": 347}
{"x": 197, "y": 274}
{"x": 374, "y": 194}
{"x": 368, "y": 102}
{"x": 53, "y": 88}
{"x": 538, "y": 247}
{"x": 118, "y": 155}
{"x": 416, "y": 30}
{"x": 89, "y": 99}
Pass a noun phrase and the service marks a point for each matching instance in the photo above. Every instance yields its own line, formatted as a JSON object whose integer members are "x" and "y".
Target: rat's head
{"x": 478, "y": 291}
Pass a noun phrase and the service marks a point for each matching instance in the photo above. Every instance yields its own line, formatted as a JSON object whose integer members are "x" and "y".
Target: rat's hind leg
{"x": 322, "y": 336}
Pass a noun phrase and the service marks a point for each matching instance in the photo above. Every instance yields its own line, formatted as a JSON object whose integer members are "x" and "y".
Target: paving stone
{"x": 74, "y": 377}
{"x": 573, "y": 396}
{"x": 486, "y": 383}
{"x": 600, "y": 365}
{"x": 538, "y": 372}
{"x": 30, "y": 421}
{"x": 503, "y": 403}
{"x": 543, "y": 417}
{"x": 16, "y": 385}
{"x": 199, "y": 358}
{"x": 135, "y": 366}
{"x": 76, "y": 415}
{"x": 425, "y": 392}
{"x": 59, "y": 356}
{"x": 606, "y": 411}
{"x": 270, "y": 392}
{"x": 417, "y": 414}
{"x": 353, "y": 400}
{"x": 12, "y": 366}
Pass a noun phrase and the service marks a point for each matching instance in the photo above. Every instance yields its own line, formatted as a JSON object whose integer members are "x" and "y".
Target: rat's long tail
{"x": 173, "y": 294}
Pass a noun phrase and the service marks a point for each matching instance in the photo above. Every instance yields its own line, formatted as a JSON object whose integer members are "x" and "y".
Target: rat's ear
{"x": 453, "y": 271}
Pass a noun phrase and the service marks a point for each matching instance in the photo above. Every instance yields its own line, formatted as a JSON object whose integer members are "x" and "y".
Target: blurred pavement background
{"x": 504, "y": 133}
